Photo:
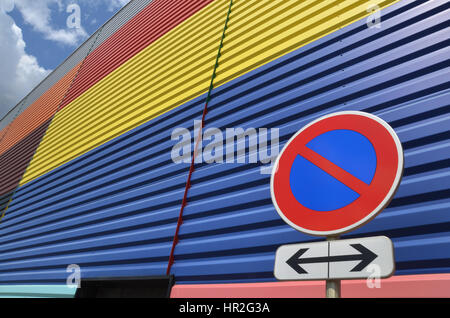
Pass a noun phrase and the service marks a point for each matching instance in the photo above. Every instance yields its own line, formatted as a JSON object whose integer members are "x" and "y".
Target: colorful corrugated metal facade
{"x": 87, "y": 176}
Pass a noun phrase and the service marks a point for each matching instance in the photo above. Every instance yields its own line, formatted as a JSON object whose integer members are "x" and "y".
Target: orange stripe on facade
{"x": 111, "y": 54}
{"x": 37, "y": 113}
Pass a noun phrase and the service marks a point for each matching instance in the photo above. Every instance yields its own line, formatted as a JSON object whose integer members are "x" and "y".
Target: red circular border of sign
{"x": 385, "y": 182}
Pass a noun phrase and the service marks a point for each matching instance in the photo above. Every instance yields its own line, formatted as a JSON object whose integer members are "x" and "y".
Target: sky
{"x": 38, "y": 35}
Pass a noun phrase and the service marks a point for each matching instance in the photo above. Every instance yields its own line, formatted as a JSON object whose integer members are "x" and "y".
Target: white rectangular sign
{"x": 341, "y": 259}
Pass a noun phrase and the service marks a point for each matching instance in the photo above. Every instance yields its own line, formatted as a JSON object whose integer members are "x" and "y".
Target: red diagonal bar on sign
{"x": 335, "y": 171}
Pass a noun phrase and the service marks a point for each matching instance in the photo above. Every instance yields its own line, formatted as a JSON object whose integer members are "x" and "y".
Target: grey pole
{"x": 333, "y": 286}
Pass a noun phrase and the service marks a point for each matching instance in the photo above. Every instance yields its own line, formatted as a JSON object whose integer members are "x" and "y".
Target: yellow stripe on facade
{"x": 177, "y": 68}
{"x": 268, "y": 29}
{"x": 173, "y": 70}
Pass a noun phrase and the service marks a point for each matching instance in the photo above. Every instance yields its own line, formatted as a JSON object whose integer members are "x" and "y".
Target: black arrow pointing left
{"x": 365, "y": 257}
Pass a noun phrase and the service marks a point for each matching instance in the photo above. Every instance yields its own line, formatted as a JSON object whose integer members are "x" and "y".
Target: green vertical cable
{"x": 191, "y": 170}
{"x": 219, "y": 53}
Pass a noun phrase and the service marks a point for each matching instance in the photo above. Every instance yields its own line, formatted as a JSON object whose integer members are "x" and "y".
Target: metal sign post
{"x": 333, "y": 286}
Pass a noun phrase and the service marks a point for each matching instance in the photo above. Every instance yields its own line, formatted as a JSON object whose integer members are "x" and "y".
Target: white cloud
{"x": 113, "y": 4}
{"x": 38, "y": 15}
{"x": 110, "y": 5}
{"x": 20, "y": 72}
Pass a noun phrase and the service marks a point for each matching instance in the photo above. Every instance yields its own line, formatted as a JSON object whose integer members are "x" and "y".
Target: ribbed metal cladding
{"x": 118, "y": 241}
{"x": 5, "y": 193}
{"x": 9, "y": 117}
{"x": 42, "y": 110}
{"x": 15, "y": 160}
{"x": 151, "y": 24}
{"x": 110, "y": 27}
{"x": 24, "y": 134}
{"x": 73, "y": 60}
{"x": 46, "y": 291}
{"x": 4, "y": 201}
{"x": 121, "y": 18}
{"x": 115, "y": 23}
{"x": 13, "y": 164}
{"x": 114, "y": 209}
{"x": 399, "y": 72}
{"x": 163, "y": 75}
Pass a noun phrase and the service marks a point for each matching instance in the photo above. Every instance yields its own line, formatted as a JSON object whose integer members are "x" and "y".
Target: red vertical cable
{"x": 197, "y": 142}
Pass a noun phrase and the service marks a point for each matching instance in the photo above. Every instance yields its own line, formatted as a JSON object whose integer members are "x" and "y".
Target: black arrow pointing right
{"x": 365, "y": 255}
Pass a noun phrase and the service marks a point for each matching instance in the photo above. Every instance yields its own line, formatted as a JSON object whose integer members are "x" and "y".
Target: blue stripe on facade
{"x": 114, "y": 210}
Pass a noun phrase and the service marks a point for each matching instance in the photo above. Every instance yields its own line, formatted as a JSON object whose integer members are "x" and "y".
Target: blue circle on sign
{"x": 317, "y": 190}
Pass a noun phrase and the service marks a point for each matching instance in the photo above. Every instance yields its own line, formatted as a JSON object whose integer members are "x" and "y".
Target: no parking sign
{"x": 334, "y": 175}
{"x": 337, "y": 173}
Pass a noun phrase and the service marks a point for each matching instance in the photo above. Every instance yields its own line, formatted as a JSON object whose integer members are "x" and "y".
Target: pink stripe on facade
{"x": 427, "y": 286}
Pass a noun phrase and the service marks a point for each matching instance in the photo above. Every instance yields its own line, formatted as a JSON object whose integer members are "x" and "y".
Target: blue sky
{"x": 35, "y": 38}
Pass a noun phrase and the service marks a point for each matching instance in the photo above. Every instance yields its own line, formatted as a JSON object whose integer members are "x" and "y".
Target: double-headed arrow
{"x": 365, "y": 256}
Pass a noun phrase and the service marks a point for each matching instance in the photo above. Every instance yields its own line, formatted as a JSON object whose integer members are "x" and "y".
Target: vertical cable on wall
{"x": 197, "y": 142}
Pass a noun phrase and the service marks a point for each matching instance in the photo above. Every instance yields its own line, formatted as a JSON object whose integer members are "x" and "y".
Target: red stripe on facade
{"x": 154, "y": 21}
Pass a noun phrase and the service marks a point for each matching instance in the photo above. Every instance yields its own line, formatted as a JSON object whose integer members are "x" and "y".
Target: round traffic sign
{"x": 337, "y": 173}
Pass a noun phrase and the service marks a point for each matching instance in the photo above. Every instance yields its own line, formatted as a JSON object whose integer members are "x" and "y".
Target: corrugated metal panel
{"x": 71, "y": 62}
{"x": 163, "y": 76}
{"x": 148, "y": 26}
{"x": 4, "y": 201}
{"x": 121, "y": 18}
{"x": 9, "y": 117}
{"x": 113, "y": 210}
{"x": 24, "y": 134}
{"x": 45, "y": 107}
{"x": 410, "y": 286}
{"x": 46, "y": 291}
{"x": 115, "y": 23}
{"x": 189, "y": 74}
{"x": 15, "y": 160}
{"x": 38, "y": 113}
{"x": 12, "y": 115}
{"x": 399, "y": 72}
{"x": 61, "y": 70}
{"x": 265, "y": 30}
